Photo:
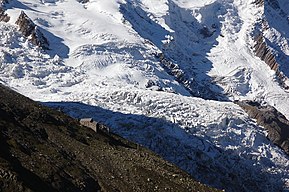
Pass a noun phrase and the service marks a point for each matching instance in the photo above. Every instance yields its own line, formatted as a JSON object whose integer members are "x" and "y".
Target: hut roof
{"x": 86, "y": 120}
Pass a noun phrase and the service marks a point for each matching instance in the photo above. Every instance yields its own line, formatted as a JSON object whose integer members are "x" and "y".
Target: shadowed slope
{"x": 44, "y": 150}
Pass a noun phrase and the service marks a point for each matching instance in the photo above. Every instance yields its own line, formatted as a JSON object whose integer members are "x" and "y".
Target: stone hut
{"x": 89, "y": 122}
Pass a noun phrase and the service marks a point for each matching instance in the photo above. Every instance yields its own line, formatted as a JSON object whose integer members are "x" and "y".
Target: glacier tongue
{"x": 139, "y": 66}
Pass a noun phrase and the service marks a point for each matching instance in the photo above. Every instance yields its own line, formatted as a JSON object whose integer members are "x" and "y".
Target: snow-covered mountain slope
{"x": 151, "y": 70}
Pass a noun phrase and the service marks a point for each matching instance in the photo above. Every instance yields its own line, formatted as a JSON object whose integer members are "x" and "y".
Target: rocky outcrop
{"x": 30, "y": 30}
{"x": 37, "y": 38}
{"x": 261, "y": 48}
{"x": 264, "y": 53}
{"x": 26, "y": 26}
{"x": 83, "y": 1}
{"x": 273, "y": 121}
{"x": 259, "y": 2}
{"x": 3, "y": 16}
{"x": 191, "y": 86}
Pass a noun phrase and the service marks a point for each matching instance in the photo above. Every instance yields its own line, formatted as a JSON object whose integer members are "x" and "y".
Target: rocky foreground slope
{"x": 45, "y": 150}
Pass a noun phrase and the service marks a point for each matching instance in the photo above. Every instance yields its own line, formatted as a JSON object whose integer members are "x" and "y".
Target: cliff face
{"x": 273, "y": 121}
{"x": 29, "y": 29}
{"x": 45, "y": 150}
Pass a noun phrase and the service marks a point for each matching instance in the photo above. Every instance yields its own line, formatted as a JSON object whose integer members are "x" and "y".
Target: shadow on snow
{"x": 56, "y": 45}
{"x": 197, "y": 155}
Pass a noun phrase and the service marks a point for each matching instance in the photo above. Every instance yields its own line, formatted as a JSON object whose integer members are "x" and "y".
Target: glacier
{"x": 163, "y": 74}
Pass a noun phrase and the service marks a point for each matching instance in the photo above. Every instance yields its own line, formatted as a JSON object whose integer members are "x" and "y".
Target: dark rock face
{"x": 3, "y": 16}
{"x": 264, "y": 53}
{"x": 274, "y": 122}
{"x": 190, "y": 84}
{"x": 26, "y": 26}
{"x": 37, "y": 38}
{"x": 83, "y": 1}
{"x": 259, "y": 2}
{"x": 261, "y": 47}
{"x": 29, "y": 29}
